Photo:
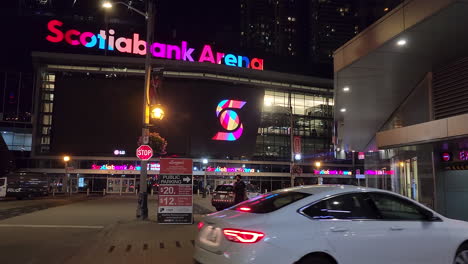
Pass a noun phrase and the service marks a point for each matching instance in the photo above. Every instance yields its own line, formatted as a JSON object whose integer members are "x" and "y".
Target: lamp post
{"x": 205, "y": 162}
{"x": 142, "y": 209}
{"x": 291, "y": 133}
{"x": 66, "y": 159}
{"x": 318, "y": 164}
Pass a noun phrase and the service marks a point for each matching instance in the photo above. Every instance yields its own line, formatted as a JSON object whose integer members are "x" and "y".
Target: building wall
{"x": 452, "y": 195}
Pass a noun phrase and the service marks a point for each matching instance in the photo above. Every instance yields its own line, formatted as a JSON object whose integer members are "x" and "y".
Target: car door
{"x": 411, "y": 236}
{"x": 3, "y": 187}
{"x": 348, "y": 227}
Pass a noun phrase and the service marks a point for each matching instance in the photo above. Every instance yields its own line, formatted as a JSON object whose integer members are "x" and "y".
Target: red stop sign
{"x": 144, "y": 152}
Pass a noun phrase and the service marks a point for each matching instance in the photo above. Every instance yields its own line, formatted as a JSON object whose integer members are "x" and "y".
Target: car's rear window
{"x": 270, "y": 202}
{"x": 225, "y": 188}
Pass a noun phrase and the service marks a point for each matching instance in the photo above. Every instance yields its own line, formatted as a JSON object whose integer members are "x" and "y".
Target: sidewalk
{"x": 12, "y": 208}
{"x": 145, "y": 241}
{"x": 140, "y": 242}
{"x": 204, "y": 203}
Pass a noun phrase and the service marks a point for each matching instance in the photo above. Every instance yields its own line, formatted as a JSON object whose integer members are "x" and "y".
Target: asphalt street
{"x": 99, "y": 230}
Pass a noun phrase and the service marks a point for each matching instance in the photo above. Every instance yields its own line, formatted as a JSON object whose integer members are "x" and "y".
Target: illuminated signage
{"x": 81, "y": 182}
{"x": 380, "y": 172}
{"x": 361, "y": 155}
{"x": 447, "y": 156}
{"x": 119, "y": 152}
{"x": 224, "y": 169}
{"x": 332, "y": 172}
{"x": 229, "y": 120}
{"x": 463, "y": 155}
{"x": 106, "y": 40}
{"x": 150, "y": 166}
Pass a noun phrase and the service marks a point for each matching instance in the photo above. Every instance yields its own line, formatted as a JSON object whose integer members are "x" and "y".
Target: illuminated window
{"x": 45, "y": 140}
{"x": 47, "y": 120}
{"x": 47, "y": 108}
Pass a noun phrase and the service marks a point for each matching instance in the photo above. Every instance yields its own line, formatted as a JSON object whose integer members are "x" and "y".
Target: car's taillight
{"x": 242, "y": 236}
{"x": 200, "y": 225}
{"x": 245, "y": 209}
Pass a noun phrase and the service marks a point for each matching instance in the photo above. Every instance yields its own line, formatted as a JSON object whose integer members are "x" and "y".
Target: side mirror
{"x": 431, "y": 217}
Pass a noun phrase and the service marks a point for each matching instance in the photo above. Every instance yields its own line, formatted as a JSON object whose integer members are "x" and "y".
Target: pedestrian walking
{"x": 239, "y": 190}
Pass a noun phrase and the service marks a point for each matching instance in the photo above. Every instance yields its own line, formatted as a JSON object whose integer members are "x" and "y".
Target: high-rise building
{"x": 334, "y": 22}
{"x": 306, "y": 33}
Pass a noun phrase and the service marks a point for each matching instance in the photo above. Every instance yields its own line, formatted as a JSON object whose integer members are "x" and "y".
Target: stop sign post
{"x": 144, "y": 152}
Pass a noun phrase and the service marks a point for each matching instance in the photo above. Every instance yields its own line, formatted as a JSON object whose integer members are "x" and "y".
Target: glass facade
{"x": 406, "y": 170}
{"x": 312, "y": 117}
{"x": 17, "y": 141}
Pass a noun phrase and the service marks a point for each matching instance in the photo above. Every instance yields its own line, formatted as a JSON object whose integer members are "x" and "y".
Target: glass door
{"x": 113, "y": 185}
{"x": 409, "y": 179}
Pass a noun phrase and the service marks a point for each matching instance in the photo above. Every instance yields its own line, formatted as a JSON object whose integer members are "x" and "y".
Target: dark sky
{"x": 199, "y": 22}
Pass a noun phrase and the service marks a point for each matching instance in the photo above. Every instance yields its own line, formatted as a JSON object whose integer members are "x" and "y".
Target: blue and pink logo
{"x": 229, "y": 120}
{"x": 107, "y": 41}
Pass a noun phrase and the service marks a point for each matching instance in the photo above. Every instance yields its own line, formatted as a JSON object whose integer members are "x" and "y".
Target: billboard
{"x": 95, "y": 115}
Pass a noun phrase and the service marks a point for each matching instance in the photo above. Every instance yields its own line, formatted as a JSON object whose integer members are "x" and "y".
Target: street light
{"x": 66, "y": 159}
{"x": 318, "y": 164}
{"x": 107, "y": 4}
{"x": 298, "y": 156}
{"x": 157, "y": 112}
{"x": 142, "y": 209}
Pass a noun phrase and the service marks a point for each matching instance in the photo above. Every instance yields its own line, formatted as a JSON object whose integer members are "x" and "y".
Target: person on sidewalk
{"x": 239, "y": 190}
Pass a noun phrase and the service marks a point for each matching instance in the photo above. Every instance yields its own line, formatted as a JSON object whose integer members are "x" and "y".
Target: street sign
{"x": 175, "y": 205}
{"x": 144, "y": 152}
{"x": 361, "y": 155}
{"x": 176, "y": 166}
{"x": 297, "y": 145}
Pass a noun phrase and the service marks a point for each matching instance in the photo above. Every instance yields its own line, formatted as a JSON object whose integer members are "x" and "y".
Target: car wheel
{"x": 462, "y": 255}
{"x": 313, "y": 259}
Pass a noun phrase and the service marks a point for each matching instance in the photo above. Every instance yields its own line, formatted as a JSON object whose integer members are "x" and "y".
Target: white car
{"x": 330, "y": 225}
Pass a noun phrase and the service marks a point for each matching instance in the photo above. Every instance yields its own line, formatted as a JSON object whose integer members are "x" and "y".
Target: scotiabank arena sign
{"x": 107, "y": 40}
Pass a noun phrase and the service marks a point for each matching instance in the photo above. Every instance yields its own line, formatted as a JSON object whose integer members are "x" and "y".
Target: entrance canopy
{"x": 382, "y": 65}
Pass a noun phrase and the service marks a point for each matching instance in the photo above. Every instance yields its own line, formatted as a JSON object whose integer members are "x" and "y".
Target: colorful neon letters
{"x": 224, "y": 169}
{"x": 106, "y": 40}
{"x": 150, "y": 166}
{"x": 332, "y": 172}
{"x": 229, "y": 120}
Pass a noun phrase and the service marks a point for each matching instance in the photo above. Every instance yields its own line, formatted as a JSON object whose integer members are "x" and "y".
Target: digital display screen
{"x": 96, "y": 115}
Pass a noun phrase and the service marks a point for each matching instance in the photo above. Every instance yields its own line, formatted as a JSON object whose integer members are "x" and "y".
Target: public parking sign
{"x": 175, "y": 203}
{"x": 144, "y": 152}
{"x": 175, "y": 199}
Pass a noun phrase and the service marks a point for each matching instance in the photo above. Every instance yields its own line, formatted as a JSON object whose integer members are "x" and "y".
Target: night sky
{"x": 199, "y": 22}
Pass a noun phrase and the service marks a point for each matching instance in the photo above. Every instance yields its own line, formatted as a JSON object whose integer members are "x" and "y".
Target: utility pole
{"x": 142, "y": 210}
{"x": 291, "y": 132}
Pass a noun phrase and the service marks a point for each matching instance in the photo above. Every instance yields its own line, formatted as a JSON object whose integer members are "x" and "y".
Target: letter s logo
{"x": 229, "y": 120}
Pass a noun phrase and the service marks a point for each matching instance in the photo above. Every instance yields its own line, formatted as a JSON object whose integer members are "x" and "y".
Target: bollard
{"x": 198, "y": 192}
{"x": 152, "y": 192}
{"x": 87, "y": 192}
{"x": 53, "y": 192}
{"x": 266, "y": 190}
{"x": 103, "y": 192}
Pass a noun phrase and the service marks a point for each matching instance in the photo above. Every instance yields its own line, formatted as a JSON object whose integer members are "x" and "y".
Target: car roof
{"x": 330, "y": 189}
